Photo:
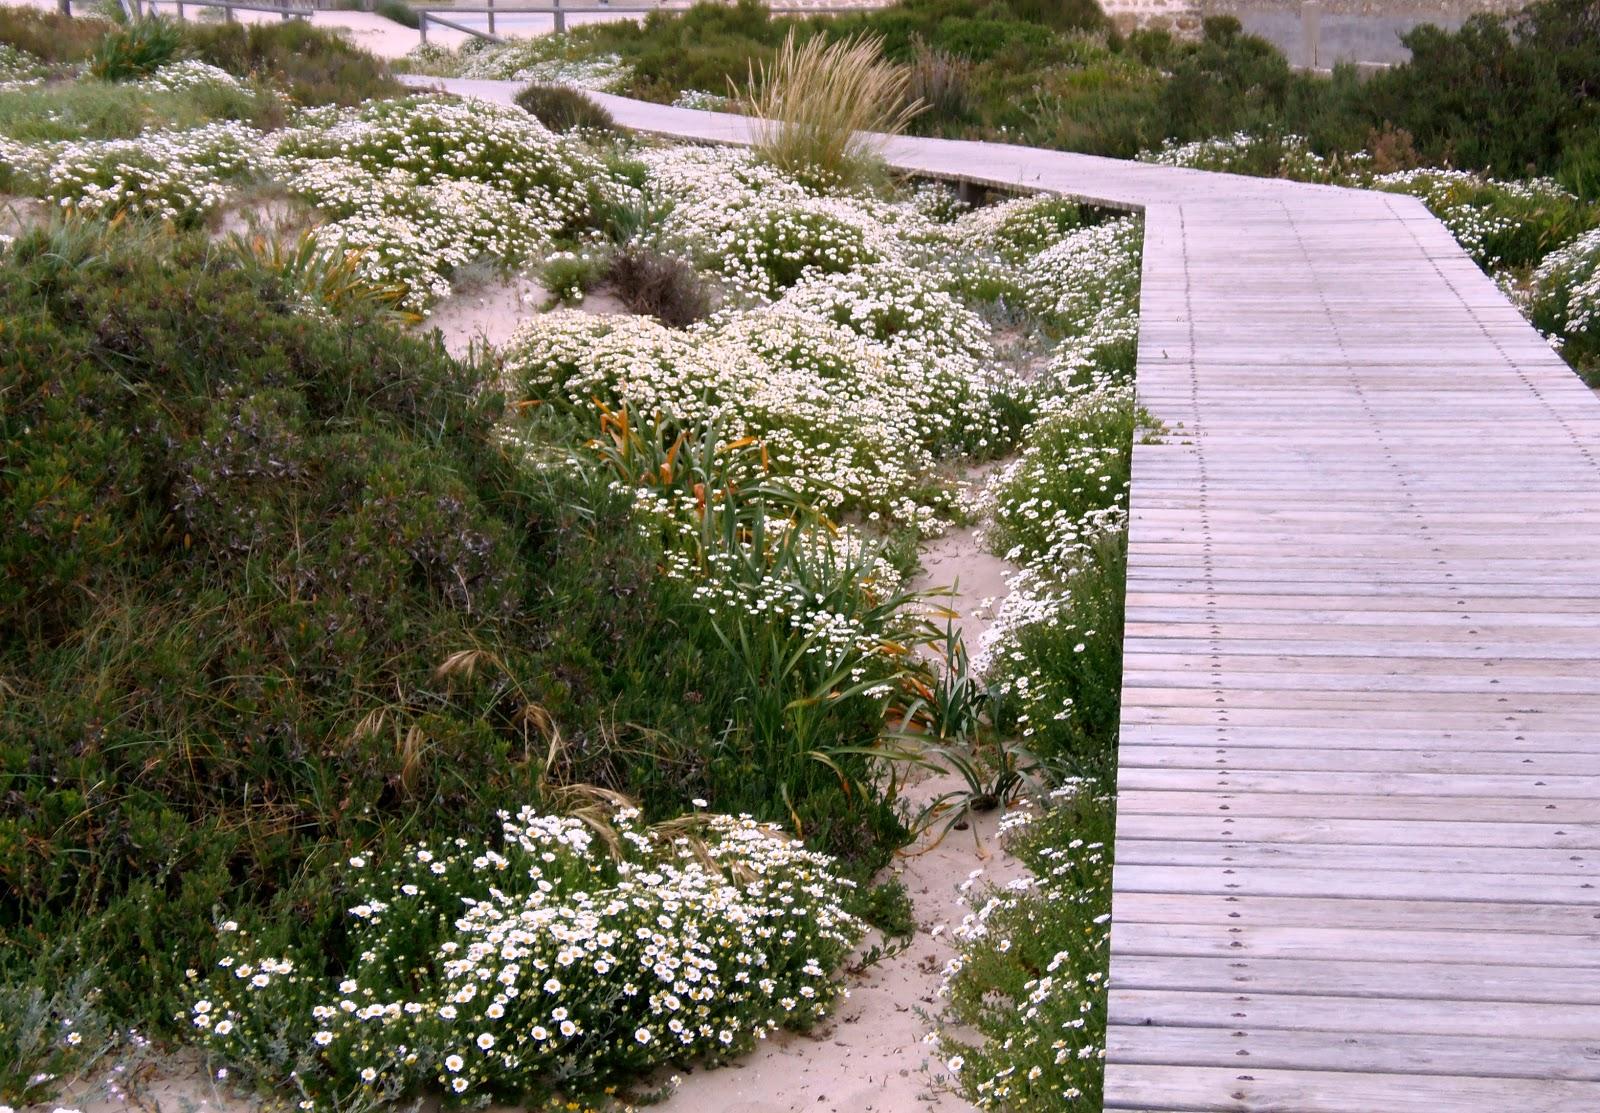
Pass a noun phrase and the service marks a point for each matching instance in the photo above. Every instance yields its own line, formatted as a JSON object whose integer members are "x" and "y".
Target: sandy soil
{"x": 18, "y": 214}
{"x": 489, "y": 312}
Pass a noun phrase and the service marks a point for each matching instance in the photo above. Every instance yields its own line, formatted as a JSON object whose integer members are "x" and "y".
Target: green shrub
{"x": 569, "y": 275}
{"x": 563, "y": 109}
{"x": 51, "y": 36}
{"x": 137, "y": 50}
{"x": 399, "y": 11}
{"x": 311, "y": 64}
{"x": 1510, "y": 94}
{"x": 93, "y": 110}
{"x": 240, "y": 540}
{"x": 665, "y": 287}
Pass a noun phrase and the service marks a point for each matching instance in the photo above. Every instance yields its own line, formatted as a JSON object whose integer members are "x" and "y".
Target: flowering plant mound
{"x": 1275, "y": 156}
{"x": 566, "y": 958}
{"x": 424, "y": 186}
{"x": 765, "y": 249}
{"x": 190, "y": 73}
{"x": 543, "y": 60}
{"x": 1499, "y": 223}
{"x": 1029, "y": 972}
{"x": 19, "y": 69}
{"x": 1564, "y": 299}
{"x": 1020, "y": 228}
{"x": 434, "y": 139}
{"x": 847, "y": 421}
{"x": 178, "y": 176}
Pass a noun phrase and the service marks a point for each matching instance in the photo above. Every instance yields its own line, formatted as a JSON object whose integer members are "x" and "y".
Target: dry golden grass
{"x": 821, "y": 107}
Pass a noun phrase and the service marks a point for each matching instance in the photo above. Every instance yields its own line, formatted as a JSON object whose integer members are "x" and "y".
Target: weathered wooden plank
{"x": 1177, "y": 1089}
{"x": 1397, "y": 885}
{"x": 1408, "y": 858}
{"x": 1499, "y": 1057}
{"x": 1242, "y": 939}
{"x": 1203, "y": 801}
{"x": 1363, "y": 832}
{"x": 1367, "y": 1015}
{"x": 1356, "y": 914}
{"x": 1434, "y": 981}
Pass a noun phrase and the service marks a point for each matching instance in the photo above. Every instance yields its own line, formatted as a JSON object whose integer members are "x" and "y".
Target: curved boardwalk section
{"x": 1360, "y": 767}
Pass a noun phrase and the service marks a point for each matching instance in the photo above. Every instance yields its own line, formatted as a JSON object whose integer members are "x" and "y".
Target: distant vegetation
{"x": 1511, "y": 95}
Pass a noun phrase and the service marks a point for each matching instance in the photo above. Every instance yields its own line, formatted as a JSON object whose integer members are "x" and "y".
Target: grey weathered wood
{"x": 1359, "y": 800}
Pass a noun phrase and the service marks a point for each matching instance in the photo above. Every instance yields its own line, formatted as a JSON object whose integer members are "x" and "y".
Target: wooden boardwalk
{"x": 1358, "y": 841}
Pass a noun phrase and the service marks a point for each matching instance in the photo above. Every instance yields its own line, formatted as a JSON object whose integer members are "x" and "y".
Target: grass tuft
{"x": 821, "y": 106}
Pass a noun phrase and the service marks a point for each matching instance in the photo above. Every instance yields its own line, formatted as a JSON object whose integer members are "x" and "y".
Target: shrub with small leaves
{"x": 137, "y": 49}
{"x": 562, "y": 109}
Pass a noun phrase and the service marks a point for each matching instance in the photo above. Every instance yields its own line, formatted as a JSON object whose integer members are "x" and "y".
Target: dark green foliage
{"x": 1514, "y": 95}
{"x": 136, "y": 50}
{"x": 312, "y": 65}
{"x": 712, "y": 44}
{"x": 1228, "y": 82}
{"x": 399, "y": 11}
{"x": 238, "y": 543}
{"x": 230, "y": 534}
{"x": 563, "y": 109}
{"x": 51, "y": 35}
{"x": 665, "y": 287}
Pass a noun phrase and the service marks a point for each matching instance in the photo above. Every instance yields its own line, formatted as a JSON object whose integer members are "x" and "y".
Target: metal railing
{"x": 560, "y": 12}
{"x": 288, "y": 9}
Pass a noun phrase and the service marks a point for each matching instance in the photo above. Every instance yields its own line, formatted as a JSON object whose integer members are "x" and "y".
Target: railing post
{"x": 1310, "y": 32}
{"x": 227, "y": 15}
{"x": 561, "y": 18}
{"x": 422, "y": 25}
{"x": 65, "y": 7}
{"x": 490, "y": 4}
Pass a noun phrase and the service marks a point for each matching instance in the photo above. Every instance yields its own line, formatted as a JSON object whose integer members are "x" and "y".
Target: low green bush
{"x": 312, "y": 65}
{"x": 399, "y": 11}
{"x": 51, "y": 36}
{"x": 137, "y": 49}
{"x": 95, "y": 110}
{"x": 278, "y": 588}
{"x": 562, "y": 109}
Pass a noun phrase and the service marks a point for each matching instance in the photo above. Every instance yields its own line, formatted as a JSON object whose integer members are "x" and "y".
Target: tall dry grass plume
{"x": 818, "y": 102}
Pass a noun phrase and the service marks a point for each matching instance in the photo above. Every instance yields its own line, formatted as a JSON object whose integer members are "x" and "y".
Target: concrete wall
{"x": 1315, "y": 34}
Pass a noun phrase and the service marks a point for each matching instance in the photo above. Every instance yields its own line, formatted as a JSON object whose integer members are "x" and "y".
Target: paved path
{"x": 1359, "y": 821}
